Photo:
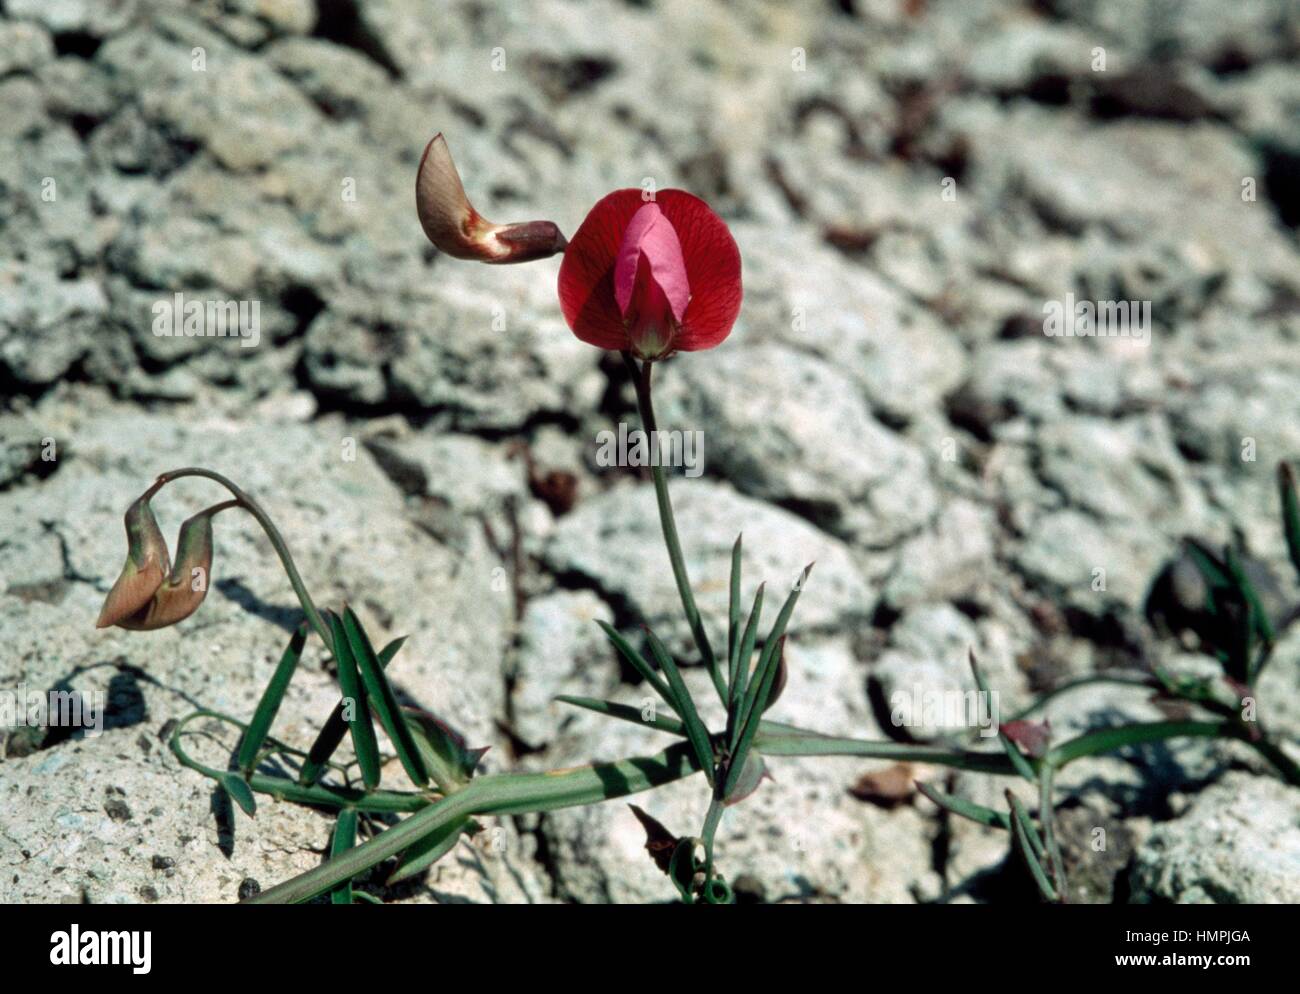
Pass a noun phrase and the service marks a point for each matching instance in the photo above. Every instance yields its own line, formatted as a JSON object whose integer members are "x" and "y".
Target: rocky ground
{"x": 909, "y": 181}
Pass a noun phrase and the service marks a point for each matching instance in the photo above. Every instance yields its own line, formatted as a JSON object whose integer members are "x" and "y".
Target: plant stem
{"x": 641, "y": 380}
{"x": 521, "y": 793}
{"x": 494, "y": 794}
{"x": 794, "y": 742}
{"x": 314, "y": 795}
{"x": 1047, "y": 816}
{"x": 711, "y": 820}
{"x": 1272, "y": 752}
{"x": 272, "y": 533}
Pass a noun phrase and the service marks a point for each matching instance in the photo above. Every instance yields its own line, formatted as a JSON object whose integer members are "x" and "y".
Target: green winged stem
{"x": 494, "y": 794}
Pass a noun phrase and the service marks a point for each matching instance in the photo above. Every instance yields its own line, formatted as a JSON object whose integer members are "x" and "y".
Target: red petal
{"x": 712, "y": 267}
{"x": 586, "y": 283}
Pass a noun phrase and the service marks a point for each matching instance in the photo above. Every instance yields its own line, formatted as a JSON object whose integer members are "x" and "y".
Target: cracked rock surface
{"x": 909, "y": 184}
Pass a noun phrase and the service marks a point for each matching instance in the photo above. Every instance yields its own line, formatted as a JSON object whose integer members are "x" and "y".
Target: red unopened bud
{"x": 458, "y": 230}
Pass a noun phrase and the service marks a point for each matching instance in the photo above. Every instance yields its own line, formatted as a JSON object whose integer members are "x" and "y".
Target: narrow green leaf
{"x": 1030, "y": 848}
{"x": 1290, "y": 512}
{"x": 733, "y": 627}
{"x": 269, "y": 705}
{"x": 626, "y": 712}
{"x": 239, "y": 791}
{"x": 1047, "y": 816}
{"x": 1110, "y": 739}
{"x": 363, "y": 731}
{"x": 332, "y": 732}
{"x": 762, "y": 685}
{"x": 345, "y": 837}
{"x": 1010, "y": 748}
{"x": 381, "y": 696}
{"x": 1021, "y": 815}
{"x": 638, "y": 663}
{"x": 779, "y": 681}
{"x": 446, "y": 756}
{"x": 1210, "y": 567}
{"x": 1239, "y": 652}
{"x": 1263, "y": 625}
{"x": 765, "y": 660}
{"x": 429, "y": 850}
{"x": 746, "y": 653}
{"x": 977, "y": 813}
{"x": 696, "y": 732}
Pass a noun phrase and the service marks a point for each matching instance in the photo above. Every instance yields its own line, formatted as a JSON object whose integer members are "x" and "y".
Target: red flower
{"x": 651, "y": 276}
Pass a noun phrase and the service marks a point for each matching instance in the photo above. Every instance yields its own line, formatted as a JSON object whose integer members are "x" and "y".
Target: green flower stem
{"x": 272, "y": 533}
{"x": 641, "y": 379}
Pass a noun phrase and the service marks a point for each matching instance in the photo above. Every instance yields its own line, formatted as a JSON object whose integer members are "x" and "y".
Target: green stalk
{"x": 494, "y": 794}
{"x": 641, "y": 379}
{"x": 521, "y": 793}
{"x": 784, "y": 741}
{"x": 711, "y": 821}
{"x": 1047, "y": 816}
{"x": 1272, "y": 752}
{"x": 314, "y": 795}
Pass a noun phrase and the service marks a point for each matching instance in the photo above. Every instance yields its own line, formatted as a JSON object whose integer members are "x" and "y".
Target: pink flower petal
{"x": 651, "y": 236}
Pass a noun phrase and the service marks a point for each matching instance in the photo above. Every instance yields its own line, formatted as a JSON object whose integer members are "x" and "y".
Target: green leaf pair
{"x": 362, "y": 680}
{"x": 1242, "y": 620}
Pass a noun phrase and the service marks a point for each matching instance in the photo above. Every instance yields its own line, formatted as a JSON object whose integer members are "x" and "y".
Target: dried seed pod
{"x": 148, "y": 595}
{"x": 146, "y": 564}
{"x": 458, "y": 230}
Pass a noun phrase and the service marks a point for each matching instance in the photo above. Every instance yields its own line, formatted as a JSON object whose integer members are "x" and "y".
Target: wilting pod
{"x": 458, "y": 230}
{"x": 147, "y": 595}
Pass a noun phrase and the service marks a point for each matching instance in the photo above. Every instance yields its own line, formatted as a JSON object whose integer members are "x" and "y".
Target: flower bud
{"x": 458, "y": 230}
